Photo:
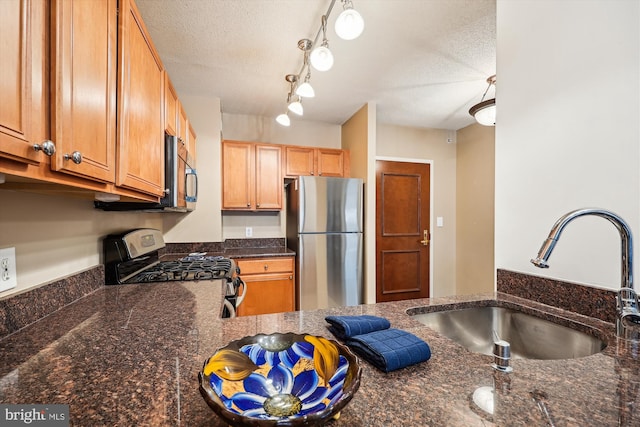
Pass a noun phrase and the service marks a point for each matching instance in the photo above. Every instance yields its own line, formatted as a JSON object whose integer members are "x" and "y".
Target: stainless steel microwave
{"x": 181, "y": 183}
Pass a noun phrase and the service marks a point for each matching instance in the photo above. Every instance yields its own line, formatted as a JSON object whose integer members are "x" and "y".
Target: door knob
{"x": 425, "y": 240}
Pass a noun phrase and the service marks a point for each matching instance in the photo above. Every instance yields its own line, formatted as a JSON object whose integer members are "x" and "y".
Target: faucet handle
{"x": 627, "y": 301}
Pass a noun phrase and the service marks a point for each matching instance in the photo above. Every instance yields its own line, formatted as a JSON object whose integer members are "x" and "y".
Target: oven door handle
{"x": 230, "y": 308}
{"x": 240, "y": 297}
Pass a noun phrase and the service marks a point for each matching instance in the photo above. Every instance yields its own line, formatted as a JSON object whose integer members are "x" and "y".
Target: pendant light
{"x": 283, "y": 119}
{"x": 349, "y": 24}
{"x": 305, "y": 90}
{"x": 321, "y": 57}
{"x": 294, "y": 104}
{"x": 485, "y": 111}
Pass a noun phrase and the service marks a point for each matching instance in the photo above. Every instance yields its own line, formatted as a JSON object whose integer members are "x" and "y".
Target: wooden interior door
{"x": 402, "y": 230}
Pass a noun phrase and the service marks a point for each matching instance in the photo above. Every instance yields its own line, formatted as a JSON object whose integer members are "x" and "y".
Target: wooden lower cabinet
{"x": 270, "y": 285}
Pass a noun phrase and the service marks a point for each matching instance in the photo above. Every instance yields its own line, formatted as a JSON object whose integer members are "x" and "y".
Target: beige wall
{"x": 567, "y": 133}
{"x": 56, "y": 236}
{"x": 205, "y": 223}
{"x": 475, "y": 157}
{"x": 359, "y": 137}
{"x": 422, "y": 145}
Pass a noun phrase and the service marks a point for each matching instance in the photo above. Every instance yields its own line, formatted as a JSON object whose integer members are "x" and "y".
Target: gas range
{"x": 133, "y": 257}
{"x": 187, "y": 268}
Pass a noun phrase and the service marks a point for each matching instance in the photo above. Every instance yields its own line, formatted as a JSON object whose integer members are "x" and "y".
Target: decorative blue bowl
{"x": 280, "y": 379}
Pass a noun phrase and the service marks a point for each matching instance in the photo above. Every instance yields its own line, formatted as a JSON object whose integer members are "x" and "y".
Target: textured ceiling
{"x": 423, "y": 62}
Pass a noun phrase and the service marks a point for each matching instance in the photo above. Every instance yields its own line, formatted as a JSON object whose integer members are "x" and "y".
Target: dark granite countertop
{"x": 129, "y": 355}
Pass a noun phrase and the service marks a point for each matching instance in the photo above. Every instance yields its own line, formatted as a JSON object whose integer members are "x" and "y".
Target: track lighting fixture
{"x": 348, "y": 26}
{"x": 305, "y": 90}
{"x": 485, "y": 111}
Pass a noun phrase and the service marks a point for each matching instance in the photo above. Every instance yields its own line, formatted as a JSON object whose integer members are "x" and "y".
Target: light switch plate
{"x": 8, "y": 279}
{"x": 439, "y": 221}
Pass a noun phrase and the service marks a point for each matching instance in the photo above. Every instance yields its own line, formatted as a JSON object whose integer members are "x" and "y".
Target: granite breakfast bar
{"x": 129, "y": 356}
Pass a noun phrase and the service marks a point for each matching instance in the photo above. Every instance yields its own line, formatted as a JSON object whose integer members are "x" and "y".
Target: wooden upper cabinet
{"x": 21, "y": 92}
{"x": 299, "y": 161}
{"x": 182, "y": 123}
{"x": 170, "y": 107}
{"x": 83, "y": 119}
{"x": 251, "y": 176}
{"x": 316, "y": 161}
{"x": 269, "y": 182}
{"x": 330, "y": 162}
{"x": 191, "y": 145}
{"x": 140, "y": 106}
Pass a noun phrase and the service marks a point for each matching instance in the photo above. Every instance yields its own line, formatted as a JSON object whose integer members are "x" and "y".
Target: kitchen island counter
{"x": 129, "y": 355}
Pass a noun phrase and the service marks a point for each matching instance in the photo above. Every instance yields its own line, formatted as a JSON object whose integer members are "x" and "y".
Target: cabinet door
{"x": 140, "y": 106}
{"x": 16, "y": 91}
{"x": 267, "y": 293}
{"x": 83, "y": 119}
{"x": 330, "y": 162}
{"x": 237, "y": 175}
{"x": 170, "y": 107}
{"x": 269, "y": 184}
{"x": 299, "y": 161}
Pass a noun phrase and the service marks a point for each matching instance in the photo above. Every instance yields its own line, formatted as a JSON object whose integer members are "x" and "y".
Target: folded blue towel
{"x": 344, "y": 327}
{"x": 390, "y": 349}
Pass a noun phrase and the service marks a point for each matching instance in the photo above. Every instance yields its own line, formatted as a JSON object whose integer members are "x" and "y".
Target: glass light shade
{"x": 305, "y": 90}
{"x": 349, "y": 24}
{"x": 321, "y": 58}
{"x": 485, "y": 112}
{"x": 283, "y": 119}
{"x": 296, "y": 107}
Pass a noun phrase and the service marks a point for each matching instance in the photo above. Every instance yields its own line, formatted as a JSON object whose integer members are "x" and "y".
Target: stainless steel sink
{"x": 530, "y": 337}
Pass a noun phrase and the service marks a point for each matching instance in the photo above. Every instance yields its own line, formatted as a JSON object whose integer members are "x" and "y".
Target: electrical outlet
{"x": 248, "y": 232}
{"x": 8, "y": 277}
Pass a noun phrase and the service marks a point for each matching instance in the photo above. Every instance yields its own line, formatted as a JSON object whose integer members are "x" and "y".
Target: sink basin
{"x": 530, "y": 337}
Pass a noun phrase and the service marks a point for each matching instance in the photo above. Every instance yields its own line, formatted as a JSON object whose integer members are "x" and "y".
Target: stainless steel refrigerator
{"x": 324, "y": 228}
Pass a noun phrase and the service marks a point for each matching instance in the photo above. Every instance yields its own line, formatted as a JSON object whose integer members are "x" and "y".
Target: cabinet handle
{"x": 257, "y": 205}
{"x": 248, "y": 205}
{"x": 311, "y": 173}
{"x": 290, "y": 277}
{"x": 47, "y": 147}
{"x": 75, "y": 157}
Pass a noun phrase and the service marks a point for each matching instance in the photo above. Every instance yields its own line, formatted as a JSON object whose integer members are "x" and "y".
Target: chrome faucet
{"x": 628, "y": 314}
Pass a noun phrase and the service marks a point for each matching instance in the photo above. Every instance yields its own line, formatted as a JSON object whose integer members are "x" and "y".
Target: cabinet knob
{"x": 75, "y": 157}
{"x": 47, "y": 147}
{"x": 311, "y": 173}
{"x": 248, "y": 205}
{"x": 266, "y": 267}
